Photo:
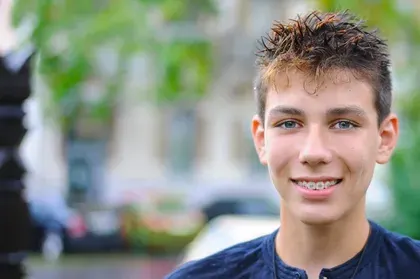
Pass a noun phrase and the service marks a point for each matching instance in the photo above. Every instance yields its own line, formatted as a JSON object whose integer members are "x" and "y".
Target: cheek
{"x": 360, "y": 160}
{"x": 279, "y": 154}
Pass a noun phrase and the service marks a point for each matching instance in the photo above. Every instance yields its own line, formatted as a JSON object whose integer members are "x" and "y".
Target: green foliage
{"x": 185, "y": 69}
{"x": 401, "y": 26}
{"x": 68, "y": 35}
{"x": 164, "y": 225}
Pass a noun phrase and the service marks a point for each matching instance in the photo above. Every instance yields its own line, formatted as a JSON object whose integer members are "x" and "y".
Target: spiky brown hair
{"x": 318, "y": 43}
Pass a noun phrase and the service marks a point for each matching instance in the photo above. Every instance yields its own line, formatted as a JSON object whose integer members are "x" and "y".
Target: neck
{"x": 313, "y": 247}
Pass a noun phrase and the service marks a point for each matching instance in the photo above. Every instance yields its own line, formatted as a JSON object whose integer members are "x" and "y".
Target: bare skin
{"x": 332, "y": 135}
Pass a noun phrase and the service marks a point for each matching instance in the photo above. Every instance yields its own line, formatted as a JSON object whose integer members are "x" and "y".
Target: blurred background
{"x": 138, "y": 149}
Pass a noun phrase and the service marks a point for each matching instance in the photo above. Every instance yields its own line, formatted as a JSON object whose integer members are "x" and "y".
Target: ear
{"x": 388, "y": 134}
{"x": 258, "y": 135}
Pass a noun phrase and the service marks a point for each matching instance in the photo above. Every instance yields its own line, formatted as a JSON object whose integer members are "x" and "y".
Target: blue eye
{"x": 289, "y": 125}
{"x": 344, "y": 125}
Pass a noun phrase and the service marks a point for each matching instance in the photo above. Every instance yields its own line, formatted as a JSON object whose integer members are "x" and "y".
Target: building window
{"x": 247, "y": 149}
{"x": 240, "y": 142}
{"x": 200, "y": 136}
{"x": 181, "y": 141}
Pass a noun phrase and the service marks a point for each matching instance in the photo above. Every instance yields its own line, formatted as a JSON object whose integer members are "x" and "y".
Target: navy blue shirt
{"x": 387, "y": 255}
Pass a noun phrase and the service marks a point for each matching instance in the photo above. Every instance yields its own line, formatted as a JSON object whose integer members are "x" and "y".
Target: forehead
{"x": 334, "y": 89}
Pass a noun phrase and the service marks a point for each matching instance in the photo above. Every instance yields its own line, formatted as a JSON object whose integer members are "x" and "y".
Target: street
{"x": 101, "y": 267}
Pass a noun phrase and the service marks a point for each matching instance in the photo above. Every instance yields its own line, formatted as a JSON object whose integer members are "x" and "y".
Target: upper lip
{"x": 316, "y": 179}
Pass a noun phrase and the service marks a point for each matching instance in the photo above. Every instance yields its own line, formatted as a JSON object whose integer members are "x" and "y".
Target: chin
{"x": 317, "y": 221}
{"x": 318, "y": 218}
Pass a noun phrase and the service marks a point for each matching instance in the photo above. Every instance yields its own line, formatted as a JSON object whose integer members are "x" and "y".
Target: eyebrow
{"x": 347, "y": 110}
{"x": 281, "y": 110}
{"x": 332, "y": 112}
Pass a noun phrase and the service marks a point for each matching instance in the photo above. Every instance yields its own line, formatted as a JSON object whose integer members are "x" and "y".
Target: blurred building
{"x": 207, "y": 147}
{"x": 154, "y": 146}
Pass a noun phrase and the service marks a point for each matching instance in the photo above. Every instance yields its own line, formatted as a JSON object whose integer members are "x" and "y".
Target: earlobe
{"x": 258, "y": 135}
{"x": 389, "y": 132}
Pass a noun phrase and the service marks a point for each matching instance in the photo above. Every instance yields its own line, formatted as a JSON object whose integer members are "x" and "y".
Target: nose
{"x": 315, "y": 150}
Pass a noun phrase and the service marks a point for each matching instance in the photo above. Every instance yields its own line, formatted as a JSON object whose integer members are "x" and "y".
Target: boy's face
{"x": 321, "y": 149}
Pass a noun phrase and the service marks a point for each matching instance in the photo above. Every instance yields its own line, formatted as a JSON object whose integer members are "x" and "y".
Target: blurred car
{"x": 57, "y": 228}
{"x": 94, "y": 229}
{"x": 240, "y": 205}
{"x": 379, "y": 201}
{"x": 228, "y": 230}
{"x": 49, "y": 216}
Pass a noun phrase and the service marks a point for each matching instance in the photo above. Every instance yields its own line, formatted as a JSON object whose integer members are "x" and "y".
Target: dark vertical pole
{"x": 14, "y": 214}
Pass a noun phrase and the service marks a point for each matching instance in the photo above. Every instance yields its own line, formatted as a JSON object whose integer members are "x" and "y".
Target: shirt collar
{"x": 345, "y": 270}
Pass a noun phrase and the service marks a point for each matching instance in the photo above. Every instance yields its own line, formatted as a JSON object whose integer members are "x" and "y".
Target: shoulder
{"x": 231, "y": 261}
{"x": 402, "y": 243}
{"x": 401, "y": 249}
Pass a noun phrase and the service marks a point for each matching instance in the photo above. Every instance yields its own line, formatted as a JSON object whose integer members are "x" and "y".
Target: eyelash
{"x": 287, "y": 121}
{"x": 335, "y": 123}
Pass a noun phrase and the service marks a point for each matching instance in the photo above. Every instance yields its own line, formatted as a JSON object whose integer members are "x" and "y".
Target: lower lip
{"x": 316, "y": 194}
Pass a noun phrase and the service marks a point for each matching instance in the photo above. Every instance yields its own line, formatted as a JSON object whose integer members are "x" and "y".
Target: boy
{"x": 324, "y": 120}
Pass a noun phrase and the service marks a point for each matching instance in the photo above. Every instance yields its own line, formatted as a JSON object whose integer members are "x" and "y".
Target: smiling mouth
{"x": 317, "y": 185}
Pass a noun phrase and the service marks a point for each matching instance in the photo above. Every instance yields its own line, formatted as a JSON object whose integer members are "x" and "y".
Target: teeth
{"x": 311, "y": 185}
{"x": 320, "y": 185}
